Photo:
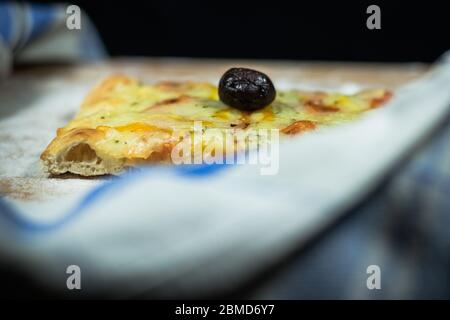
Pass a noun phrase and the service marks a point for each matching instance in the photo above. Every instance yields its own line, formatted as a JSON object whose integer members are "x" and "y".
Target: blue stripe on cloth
{"x": 40, "y": 18}
{"x": 199, "y": 170}
{"x": 18, "y": 220}
{"x": 5, "y": 22}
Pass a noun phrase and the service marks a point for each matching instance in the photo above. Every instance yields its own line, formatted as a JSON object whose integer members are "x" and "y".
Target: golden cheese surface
{"x": 123, "y": 120}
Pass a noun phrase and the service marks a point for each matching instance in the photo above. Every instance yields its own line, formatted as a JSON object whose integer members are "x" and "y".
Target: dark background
{"x": 297, "y": 29}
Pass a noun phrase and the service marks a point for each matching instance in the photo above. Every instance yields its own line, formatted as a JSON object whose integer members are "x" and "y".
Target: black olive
{"x": 246, "y": 89}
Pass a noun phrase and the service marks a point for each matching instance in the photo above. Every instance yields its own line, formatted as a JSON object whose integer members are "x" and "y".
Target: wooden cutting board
{"x": 36, "y": 100}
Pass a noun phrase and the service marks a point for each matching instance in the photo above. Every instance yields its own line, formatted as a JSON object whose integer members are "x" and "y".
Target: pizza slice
{"x": 124, "y": 123}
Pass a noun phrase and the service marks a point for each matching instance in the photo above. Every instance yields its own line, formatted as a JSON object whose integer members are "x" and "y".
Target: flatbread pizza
{"x": 124, "y": 123}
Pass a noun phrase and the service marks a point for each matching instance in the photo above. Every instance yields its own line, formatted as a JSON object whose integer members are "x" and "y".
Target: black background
{"x": 307, "y": 30}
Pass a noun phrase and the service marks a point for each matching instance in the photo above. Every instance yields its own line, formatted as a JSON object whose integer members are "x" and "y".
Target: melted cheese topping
{"x": 134, "y": 120}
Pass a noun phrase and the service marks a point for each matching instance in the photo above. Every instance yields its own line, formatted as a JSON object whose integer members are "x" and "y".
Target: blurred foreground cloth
{"x": 38, "y": 33}
{"x": 402, "y": 227}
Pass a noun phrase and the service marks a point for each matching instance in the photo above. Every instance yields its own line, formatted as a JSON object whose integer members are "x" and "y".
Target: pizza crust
{"x": 81, "y": 159}
{"x": 73, "y": 153}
